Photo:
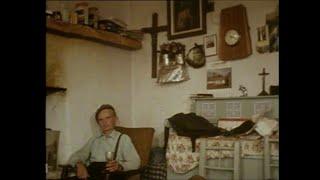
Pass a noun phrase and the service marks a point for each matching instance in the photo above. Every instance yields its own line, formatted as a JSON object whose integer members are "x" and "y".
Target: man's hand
{"x": 82, "y": 172}
{"x": 113, "y": 166}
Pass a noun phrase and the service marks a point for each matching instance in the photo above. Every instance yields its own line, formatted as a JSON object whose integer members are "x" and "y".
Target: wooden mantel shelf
{"x": 88, "y": 33}
{"x": 51, "y": 90}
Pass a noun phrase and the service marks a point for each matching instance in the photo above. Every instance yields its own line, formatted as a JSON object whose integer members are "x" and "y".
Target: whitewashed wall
{"x": 92, "y": 77}
{"x": 93, "y": 74}
{"x": 153, "y": 103}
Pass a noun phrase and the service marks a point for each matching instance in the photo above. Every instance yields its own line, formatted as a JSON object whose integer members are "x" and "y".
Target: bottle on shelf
{"x": 73, "y": 18}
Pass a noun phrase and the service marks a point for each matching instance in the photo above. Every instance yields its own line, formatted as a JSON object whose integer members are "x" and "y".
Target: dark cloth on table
{"x": 194, "y": 126}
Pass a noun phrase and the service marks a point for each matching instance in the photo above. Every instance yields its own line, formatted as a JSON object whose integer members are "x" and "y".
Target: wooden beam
{"x": 90, "y": 34}
{"x": 50, "y": 90}
{"x": 153, "y": 31}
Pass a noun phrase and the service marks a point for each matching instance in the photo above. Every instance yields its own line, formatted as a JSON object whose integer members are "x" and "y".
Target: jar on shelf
{"x": 73, "y": 18}
{"x": 93, "y": 17}
{"x": 57, "y": 15}
{"x": 82, "y": 13}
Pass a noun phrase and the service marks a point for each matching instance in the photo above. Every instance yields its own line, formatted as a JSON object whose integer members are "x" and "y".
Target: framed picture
{"x": 272, "y": 20}
{"x": 186, "y": 18}
{"x": 210, "y": 5}
{"x": 219, "y": 78}
{"x": 210, "y": 45}
{"x": 263, "y": 39}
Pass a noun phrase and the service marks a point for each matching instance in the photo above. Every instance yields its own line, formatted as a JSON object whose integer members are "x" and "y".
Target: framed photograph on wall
{"x": 272, "y": 20}
{"x": 186, "y": 18}
{"x": 263, "y": 39}
{"x": 219, "y": 78}
{"x": 210, "y": 45}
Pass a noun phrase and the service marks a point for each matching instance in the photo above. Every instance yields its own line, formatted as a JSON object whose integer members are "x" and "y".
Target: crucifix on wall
{"x": 153, "y": 31}
{"x": 263, "y": 74}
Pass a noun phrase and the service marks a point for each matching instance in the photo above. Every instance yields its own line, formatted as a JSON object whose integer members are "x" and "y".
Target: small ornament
{"x": 243, "y": 90}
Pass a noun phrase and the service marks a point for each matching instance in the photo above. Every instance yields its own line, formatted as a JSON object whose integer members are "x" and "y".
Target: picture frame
{"x": 186, "y": 18}
{"x": 272, "y": 20}
{"x": 219, "y": 78}
{"x": 262, "y": 39}
{"x": 210, "y": 5}
{"x": 210, "y": 45}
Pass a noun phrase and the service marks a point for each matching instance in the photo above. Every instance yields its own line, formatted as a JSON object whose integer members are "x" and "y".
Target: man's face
{"x": 106, "y": 120}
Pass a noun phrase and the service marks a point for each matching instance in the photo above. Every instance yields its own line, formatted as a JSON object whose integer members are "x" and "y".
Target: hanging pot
{"x": 196, "y": 57}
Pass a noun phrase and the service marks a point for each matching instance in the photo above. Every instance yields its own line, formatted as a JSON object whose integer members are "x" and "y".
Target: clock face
{"x": 232, "y": 37}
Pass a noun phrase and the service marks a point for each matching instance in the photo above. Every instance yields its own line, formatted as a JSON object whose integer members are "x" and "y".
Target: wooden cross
{"x": 153, "y": 31}
{"x": 263, "y": 74}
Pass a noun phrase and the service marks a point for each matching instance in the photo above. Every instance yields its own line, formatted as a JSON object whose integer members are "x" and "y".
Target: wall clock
{"x": 234, "y": 41}
{"x": 232, "y": 37}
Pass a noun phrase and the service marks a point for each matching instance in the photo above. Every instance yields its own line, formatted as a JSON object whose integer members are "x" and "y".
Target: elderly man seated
{"x": 90, "y": 160}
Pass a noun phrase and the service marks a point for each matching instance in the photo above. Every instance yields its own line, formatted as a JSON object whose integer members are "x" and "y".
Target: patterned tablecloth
{"x": 181, "y": 159}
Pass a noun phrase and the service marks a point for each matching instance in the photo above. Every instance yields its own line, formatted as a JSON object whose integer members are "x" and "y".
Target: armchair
{"x": 141, "y": 139}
